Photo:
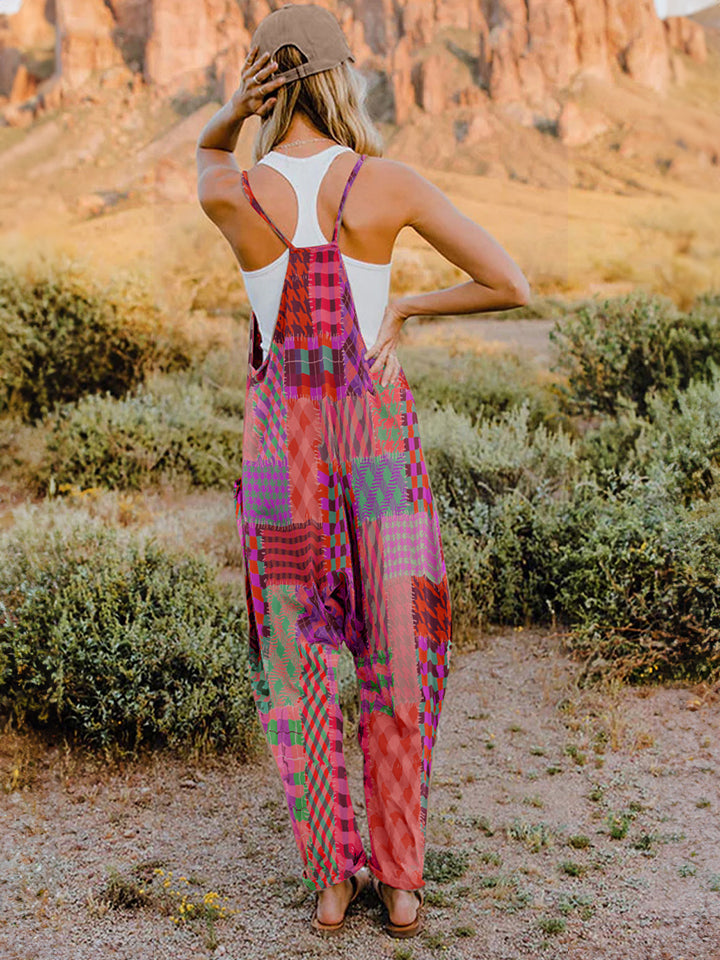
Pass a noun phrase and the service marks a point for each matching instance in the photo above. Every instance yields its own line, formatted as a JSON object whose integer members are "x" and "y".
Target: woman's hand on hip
{"x": 252, "y": 94}
{"x": 383, "y": 350}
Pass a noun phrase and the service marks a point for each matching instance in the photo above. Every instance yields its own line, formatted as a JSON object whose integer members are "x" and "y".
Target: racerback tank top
{"x": 369, "y": 282}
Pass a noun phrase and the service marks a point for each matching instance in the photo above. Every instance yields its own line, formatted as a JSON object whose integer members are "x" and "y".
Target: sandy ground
{"x": 525, "y": 761}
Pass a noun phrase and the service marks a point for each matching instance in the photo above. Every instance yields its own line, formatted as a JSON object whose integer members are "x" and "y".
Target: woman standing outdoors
{"x": 341, "y": 539}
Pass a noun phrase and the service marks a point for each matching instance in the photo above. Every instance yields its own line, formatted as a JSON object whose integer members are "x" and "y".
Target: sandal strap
{"x": 377, "y": 883}
{"x": 355, "y": 886}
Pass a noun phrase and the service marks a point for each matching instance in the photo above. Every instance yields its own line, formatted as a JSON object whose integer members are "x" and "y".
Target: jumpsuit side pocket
{"x": 237, "y": 496}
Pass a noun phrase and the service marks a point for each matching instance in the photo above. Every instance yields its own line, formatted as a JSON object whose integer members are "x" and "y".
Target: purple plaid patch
{"x": 266, "y": 491}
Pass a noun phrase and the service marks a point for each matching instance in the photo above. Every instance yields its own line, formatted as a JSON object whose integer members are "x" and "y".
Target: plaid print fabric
{"x": 341, "y": 543}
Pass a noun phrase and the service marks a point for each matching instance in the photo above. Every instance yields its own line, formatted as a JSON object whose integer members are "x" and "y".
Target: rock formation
{"x": 86, "y": 42}
{"x": 427, "y": 57}
{"x": 28, "y": 30}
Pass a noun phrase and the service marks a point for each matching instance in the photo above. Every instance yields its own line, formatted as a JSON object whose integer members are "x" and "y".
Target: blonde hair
{"x": 333, "y": 100}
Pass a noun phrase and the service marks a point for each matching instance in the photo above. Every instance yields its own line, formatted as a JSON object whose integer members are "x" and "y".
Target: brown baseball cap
{"x": 309, "y": 27}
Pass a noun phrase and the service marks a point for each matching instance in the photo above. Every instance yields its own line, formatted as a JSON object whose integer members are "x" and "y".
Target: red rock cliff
{"x": 418, "y": 55}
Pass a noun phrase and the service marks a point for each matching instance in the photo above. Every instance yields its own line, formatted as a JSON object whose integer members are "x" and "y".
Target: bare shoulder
{"x": 396, "y": 170}
{"x": 402, "y": 193}
{"x": 420, "y": 204}
{"x": 393, "y": 175}
{"x": 406, "y": 190}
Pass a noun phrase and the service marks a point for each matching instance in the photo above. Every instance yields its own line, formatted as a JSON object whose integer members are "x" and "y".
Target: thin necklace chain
{"x": 292, "y": 143}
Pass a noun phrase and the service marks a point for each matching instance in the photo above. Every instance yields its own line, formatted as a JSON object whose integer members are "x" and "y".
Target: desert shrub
{"x": 706, "y": 307}
{"x": 620, "y": 349}
{"x": 499, "y": 568}
{"x": 681, "y": 430}
{"x": 469, "y": 576}
{"x": 684, "y": 433}
{"x": 498, "y": 485}
{"x": 532, "y": 536}
{"x": 630, "y": 575}
{"x": 23, "y": 455}
{"x": 608, "y": 446}
{"x": 479, "y": 385}
{"x": 184, "y": 426}
{"x": 142, "y": 439}
{"x": 470, "y": 462}
{"x": 642, "y": 589}
{"x": 221, "y": 372}
{"x": 63, "y": 336}
{"x": 121, "y": 642}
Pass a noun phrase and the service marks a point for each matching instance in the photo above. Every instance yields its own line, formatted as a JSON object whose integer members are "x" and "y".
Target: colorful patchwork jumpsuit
{"x": 341, "y": 543}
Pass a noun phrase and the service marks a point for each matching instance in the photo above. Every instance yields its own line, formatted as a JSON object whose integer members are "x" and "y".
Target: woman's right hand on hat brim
{"x": 252, "y": 94}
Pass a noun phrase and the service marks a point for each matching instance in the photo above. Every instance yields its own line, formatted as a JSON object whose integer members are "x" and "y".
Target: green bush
{"x": 498, "y": 486}
{"x": 470, "y": 463}
{"x": 469, "y": 575}
{"x": 618, "y": 350}
{"x": 608, "y": 447}
{"x": 632, "y": 576}
{"x": 219, "y": 372}
{"x": 642, "y": 588}
{"x": 681, "y": 431}
{"x": 684, "y": 434}
{"x": 122, "y": 643}
{"x": 479, "y": 385}
{"x": 63, "y": 336}
{"x": 614, "y": 534}
{"x": 706, "y": 308}
{"x": 496, "y": 566}
{"x": 139, "y": 440}
{"x": 532, "y": 536}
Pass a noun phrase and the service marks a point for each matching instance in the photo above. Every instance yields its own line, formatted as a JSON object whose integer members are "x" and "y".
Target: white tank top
{"x": 369, "y": 282}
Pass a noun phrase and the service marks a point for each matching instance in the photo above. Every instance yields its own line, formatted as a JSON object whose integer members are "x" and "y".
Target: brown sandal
{"x": 400, "y": 930}
{"x": 359, "y": 881}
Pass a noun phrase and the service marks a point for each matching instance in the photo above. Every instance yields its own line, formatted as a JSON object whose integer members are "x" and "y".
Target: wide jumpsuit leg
{"x": 341, "y": 543}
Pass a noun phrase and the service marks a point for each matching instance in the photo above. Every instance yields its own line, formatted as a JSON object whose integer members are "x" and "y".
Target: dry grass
{"x": 202, "y": 521}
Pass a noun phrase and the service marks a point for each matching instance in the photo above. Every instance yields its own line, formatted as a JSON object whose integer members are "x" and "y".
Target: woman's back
{"x": 369, "y": 280}
{"x": 387, "y": 195}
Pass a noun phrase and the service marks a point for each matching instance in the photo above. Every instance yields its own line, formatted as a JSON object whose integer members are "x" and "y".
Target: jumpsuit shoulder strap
{"x": 353, "y": 173}
{"x": 251, "y": 197}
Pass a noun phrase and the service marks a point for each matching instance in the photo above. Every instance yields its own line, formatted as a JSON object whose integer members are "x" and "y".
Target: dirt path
{"x": 525, "y": 762}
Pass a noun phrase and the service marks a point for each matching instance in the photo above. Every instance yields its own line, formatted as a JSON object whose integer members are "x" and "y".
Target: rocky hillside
{"x": 507, "y": 89}
{"x": 420, "y": 56}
